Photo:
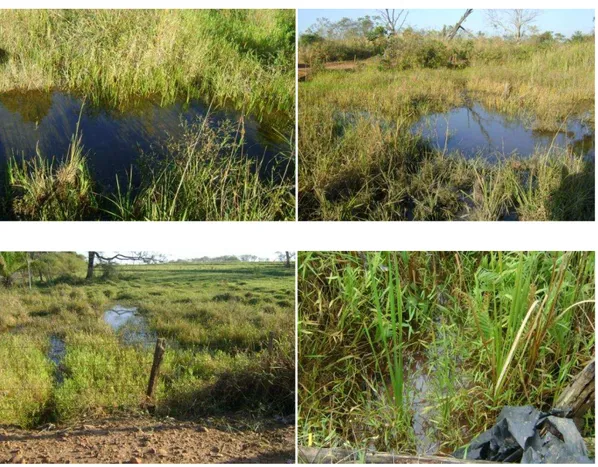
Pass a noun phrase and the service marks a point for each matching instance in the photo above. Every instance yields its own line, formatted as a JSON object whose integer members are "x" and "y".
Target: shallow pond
{"x": 132, "y": 327}
{"x": 475, "y": 130}
{"x": 112, "y": 139}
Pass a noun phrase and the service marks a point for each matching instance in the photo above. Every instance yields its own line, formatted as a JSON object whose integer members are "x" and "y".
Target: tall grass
{"x": 483, "y": 330}
{"x": 204, "y": 175}
{"x": 50, "y": 189}
{"x": 25, "y": 382}
{"x": 240, "y": 56}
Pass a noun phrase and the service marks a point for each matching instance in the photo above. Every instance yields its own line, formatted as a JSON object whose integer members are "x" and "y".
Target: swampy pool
{"x": 132, "y": 327}
{"x": 113, "y": 140}
{"x": 474, "y": 130}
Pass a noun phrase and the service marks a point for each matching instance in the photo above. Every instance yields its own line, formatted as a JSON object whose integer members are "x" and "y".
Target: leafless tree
{"x": 453, "y": 32}
{"x": 144, "y": 257}
{"x": 394, "y": 20}
{"x": 513, "y": 22}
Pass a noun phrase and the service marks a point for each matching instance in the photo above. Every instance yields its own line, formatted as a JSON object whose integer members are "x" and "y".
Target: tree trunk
{"x": 457, "y": 26}
{"x": 91, "y": 256}
{"x": 29, "y": 269}
{"x": 288, "y": 259}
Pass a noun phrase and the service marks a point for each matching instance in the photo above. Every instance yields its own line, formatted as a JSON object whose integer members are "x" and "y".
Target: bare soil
{"x": 151, "y": 440}
{"x": 304, "y": 69}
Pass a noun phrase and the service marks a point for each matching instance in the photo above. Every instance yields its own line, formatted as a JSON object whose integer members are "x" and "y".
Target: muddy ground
{"x": 151, "y": 440}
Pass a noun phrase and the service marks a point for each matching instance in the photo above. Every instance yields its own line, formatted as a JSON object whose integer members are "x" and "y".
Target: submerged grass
{"x": 372, "y": 167}
{"x": 217, "y": 357}
{"x": 205, "y": 175}
{"x": 488, "y": 330}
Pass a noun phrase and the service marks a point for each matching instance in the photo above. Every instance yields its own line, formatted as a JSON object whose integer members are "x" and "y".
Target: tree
{"x": 12, "y": 262}
{"x": 286, "y": 257}
{"x": 515, "y": 23}
{"x": 393, "y": 20}
{"x": 143, "y": 257}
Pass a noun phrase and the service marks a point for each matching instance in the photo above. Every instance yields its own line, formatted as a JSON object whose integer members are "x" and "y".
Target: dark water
{"x": 113, "y": 140}
{"x": 474, "y": 130}
{"x": 56, "y": 354}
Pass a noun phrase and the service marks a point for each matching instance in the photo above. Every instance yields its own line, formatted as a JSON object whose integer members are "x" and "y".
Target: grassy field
{"x": 372, "y": 167}
{"x": 217, "y": 319}
{"x": 242, "y": 59}
{"x": 401, "y": 352}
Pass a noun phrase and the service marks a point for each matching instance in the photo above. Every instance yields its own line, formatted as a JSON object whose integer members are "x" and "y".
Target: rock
{"x": 152, "y": 451}
{"x": 202, "y": 429}
{"x": 162, "y": 452}
{"x": 134, "y": 460}
{"x": 215, "y": 450}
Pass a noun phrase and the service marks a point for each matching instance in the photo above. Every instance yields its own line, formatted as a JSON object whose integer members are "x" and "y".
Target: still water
{"x": 476, "y": 131}
{"x": 112, "y": 139}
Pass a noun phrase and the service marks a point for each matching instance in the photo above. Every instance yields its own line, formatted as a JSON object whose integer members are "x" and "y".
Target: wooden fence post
{"x": 578, "y": 397}
{"x": 271, "y": 343}
{"x": 158, "y": 355}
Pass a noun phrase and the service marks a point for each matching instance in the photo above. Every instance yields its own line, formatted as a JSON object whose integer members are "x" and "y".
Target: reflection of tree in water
{"x": 32, "y": 106}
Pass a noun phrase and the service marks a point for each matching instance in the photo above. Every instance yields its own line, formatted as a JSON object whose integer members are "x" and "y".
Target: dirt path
{"x": 304, "y": 69}
{"x": 143, "y": 440}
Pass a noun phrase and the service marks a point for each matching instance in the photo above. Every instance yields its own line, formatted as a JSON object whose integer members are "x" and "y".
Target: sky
{"x": 564, "y": 21}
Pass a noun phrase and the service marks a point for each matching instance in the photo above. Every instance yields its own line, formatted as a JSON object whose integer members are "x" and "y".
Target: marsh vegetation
{"x": 89, "y": 98}
{"x": 417, "y": 126}
{"x": 417, "y": 352}
{"x": 73, "y": 349}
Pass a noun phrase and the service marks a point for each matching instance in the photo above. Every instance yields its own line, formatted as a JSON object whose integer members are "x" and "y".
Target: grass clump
{"x": 205, "y": 176}
{"x": 405, "y": 352}
{"x": 46, "y": 189}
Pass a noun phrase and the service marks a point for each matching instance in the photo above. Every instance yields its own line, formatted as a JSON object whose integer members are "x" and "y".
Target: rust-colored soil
{"x": 151, "y": 440}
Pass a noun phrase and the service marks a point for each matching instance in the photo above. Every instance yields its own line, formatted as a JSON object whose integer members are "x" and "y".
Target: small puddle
{"x": 474, "y": 130}
{"x": 113, "y": 140}
{"x": 56, "y": 353}
{"x": 421, "y": 390}
{"x": 132, "y": 328}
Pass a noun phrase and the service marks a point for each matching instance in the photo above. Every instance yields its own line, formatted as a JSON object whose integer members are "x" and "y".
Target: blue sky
{"x": 564, "y": 21}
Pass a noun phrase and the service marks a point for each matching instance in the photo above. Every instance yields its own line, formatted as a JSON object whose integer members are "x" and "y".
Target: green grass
{"x": 370, "y": 166}
{"x": 241, "y": 56}
{"x": 483, "y": 330}
{"x": 217, "y": 358}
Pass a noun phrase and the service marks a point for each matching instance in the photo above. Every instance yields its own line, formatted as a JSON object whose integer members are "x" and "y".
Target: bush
{"x": 414, "y": 50}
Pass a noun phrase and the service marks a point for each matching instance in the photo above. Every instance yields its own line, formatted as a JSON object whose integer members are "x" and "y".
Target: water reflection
{"x": 473, "y": 130}
{"x": 113, "y": 139}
